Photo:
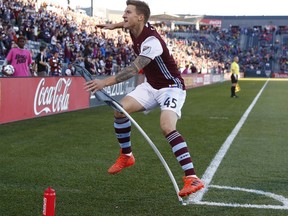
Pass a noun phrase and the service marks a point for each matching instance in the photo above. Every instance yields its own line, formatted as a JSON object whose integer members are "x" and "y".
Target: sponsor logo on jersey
{"x": 146, "y": 49}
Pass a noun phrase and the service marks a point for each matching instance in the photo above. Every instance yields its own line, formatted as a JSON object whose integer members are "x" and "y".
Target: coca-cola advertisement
{"x": 23, "y": 98}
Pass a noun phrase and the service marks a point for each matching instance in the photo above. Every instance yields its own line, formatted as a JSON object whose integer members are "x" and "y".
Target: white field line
{"x": 211, "y": 170}
{"x": 236, "y": 205}
{"x": 279, "y": 198}
{"x": 260, "y": 192}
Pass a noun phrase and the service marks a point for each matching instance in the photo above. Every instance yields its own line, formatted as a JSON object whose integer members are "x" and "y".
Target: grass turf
{"x": 71, "y": 152}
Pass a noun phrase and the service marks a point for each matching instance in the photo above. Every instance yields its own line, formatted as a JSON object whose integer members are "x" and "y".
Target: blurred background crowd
{"x": 70, "y": 36}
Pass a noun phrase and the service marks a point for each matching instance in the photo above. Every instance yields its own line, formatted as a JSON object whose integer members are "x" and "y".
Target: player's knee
{"x": 166, "y": 129}
{"x": 118, "y": 114}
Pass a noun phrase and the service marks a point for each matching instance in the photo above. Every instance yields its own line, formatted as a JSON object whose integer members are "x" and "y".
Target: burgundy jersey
{"x": 108, "y": 66}
{"x": 55, "y": 66}
{"x": 162, "y": 71}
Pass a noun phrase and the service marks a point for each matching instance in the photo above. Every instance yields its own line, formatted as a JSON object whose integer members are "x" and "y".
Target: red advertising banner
{"x": 279, "y": 75}
{"x": 23, "y": 98}
{"x": 197, "y": 80}
{"x": 193, "y": 80}
{"x": 212, "y": 22}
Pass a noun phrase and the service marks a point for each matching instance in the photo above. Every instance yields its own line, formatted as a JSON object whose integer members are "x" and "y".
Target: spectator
{"x": 186, "y": 69}
{"x": 108, "y": 65}
{"x": 20, "y": 58}
{"x": 89, "y": 65}
{"x": 54, "y": 40}
{"x": 41, "y": 62}
{"x": 68, "y": 53}
{"x": 193, "y": 68}
{"x": 102, "y": 64}
{"x": 70, "y": 71}
{"x": 80, "y": 59}
{"x": 119, "y": 60}
{"x": 3, "y": 49}
{"x": 88, "y": 51}
{"x": 55, "y": 64}
{"x": 98, "y": 67}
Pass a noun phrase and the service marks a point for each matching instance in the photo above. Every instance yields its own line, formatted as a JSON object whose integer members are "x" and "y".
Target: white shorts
{"x": 166, "y": 98}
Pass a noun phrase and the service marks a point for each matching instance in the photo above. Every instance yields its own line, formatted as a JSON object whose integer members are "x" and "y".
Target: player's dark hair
{"x": 141, "y": 8}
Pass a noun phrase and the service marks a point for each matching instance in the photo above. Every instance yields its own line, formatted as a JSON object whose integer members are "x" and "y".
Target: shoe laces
{"x": 121, "y": 161}
{"x": 191, "y": 181}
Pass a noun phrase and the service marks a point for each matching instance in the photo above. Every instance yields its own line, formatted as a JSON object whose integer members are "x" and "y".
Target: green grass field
{"x": 71, "y": 152}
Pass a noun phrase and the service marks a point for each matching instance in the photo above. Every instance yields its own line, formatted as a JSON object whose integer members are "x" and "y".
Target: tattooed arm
{"x": 130, "y": 71}
{"x": 126, "y": 73}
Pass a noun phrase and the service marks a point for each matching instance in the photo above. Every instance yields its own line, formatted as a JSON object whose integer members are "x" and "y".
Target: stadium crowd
{"x": 75, "y": 37}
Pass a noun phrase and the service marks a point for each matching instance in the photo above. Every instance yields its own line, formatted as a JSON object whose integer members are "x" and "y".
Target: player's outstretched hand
{"x": 94, "y": 85}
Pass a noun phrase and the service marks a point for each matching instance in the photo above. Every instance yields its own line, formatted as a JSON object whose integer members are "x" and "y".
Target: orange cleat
{"x": 191, "y": 185}
{"x": 122, "y": 162}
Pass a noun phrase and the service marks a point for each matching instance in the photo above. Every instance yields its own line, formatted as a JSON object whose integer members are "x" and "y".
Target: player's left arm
{"x": 139, "y": 63}
{"x": 150, "y": 49}
{"x": 125, "y": 74}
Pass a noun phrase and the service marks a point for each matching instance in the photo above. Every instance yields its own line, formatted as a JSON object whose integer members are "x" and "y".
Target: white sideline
{"x": 211, "y": 170}
{"x": 276, "y": 197}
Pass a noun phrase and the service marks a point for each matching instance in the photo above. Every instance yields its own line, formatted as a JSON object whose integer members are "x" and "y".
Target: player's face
{"x": 131, "y": 18}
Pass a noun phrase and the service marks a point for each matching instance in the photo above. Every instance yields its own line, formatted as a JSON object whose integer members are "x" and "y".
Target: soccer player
{"x": 20, "y": 58}
{"x": 164, "y": 87}
{"x": 234, "y": 76}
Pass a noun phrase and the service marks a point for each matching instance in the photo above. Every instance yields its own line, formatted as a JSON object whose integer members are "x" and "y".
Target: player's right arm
{"x": 111, "y": 26}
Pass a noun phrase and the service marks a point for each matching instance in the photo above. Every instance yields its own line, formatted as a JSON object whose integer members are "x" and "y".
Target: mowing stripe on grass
{"x": 211, "y": 170}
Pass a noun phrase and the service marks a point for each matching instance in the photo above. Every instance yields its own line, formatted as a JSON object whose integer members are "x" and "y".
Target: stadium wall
{"x": 25, "y": 98}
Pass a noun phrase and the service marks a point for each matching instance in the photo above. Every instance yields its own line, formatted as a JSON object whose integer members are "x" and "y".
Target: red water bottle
{"x": 49, "y": 202}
